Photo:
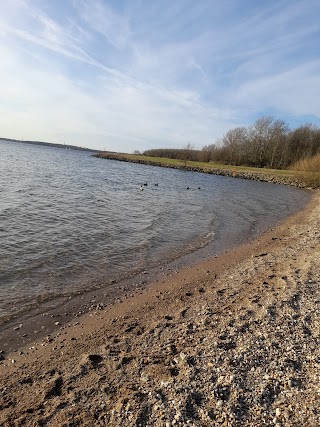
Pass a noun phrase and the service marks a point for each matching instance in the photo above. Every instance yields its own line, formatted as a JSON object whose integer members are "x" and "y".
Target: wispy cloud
{"x": 102, "y": 19}
{"x": 141, "y": 74}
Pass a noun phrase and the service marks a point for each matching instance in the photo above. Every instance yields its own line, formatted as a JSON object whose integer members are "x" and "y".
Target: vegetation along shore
{"x": 256, "y": 174}
{"x": 266, "y": 151}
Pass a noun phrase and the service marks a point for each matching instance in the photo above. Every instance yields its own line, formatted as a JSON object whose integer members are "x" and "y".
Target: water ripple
{"x": 69, "y": 221}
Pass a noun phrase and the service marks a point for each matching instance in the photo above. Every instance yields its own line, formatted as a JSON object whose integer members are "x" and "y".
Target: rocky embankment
{"x": 233, "y": 341}
{"x": 254, "y": 176}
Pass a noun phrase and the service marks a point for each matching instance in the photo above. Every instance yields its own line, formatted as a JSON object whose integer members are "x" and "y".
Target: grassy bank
{"x": 287, "y": 177}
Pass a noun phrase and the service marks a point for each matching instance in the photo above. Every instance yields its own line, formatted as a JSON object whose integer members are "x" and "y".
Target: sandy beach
{"x": 231, "y": 341}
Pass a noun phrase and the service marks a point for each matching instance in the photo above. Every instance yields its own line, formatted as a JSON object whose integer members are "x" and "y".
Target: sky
{"x": 126, "y": 75}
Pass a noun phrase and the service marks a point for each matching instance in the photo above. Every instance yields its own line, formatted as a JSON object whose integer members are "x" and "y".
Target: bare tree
{"x": 278, "y": 146}
{"x": 207, "y": 152}
{"x": 267, "y": 143}
{"x": 187, "y": 153}
{"x": 234, "y": 141}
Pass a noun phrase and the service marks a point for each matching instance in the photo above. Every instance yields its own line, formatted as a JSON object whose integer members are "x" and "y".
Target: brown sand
{"x": 232, "y": 341}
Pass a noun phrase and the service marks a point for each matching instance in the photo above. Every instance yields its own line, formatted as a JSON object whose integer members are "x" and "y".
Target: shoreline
{"x": 231, "y": 172}
{"x": 46, "y": 315}
{"x": 193, "y": 348}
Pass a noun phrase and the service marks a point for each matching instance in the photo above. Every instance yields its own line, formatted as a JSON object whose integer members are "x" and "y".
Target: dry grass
{"x": 308, "y": 171}
{"x": 202, "y": 165}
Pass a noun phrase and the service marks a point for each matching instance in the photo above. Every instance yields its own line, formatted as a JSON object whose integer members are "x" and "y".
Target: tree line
{"x": 268, "y": 143}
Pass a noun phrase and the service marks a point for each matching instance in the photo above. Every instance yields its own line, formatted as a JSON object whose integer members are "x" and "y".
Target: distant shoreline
{"x": 51, "y": 144}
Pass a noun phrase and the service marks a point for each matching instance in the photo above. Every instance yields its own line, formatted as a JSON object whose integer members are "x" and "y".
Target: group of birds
{"x": 146, "y": 185}
{"x": 156, "y": 185}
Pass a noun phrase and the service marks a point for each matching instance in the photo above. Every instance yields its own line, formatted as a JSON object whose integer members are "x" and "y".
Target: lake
{"x": 70, "y": 222}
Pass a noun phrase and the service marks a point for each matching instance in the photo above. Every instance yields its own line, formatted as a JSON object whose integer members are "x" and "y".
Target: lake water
{"x": 70, "y": 222}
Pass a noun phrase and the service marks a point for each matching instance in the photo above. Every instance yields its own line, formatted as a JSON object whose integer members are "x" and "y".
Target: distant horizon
{"x": 54, "y": 144}
{"x": 123, "y": 75}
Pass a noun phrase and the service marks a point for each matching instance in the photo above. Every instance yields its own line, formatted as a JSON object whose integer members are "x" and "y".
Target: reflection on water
{"x": 70, "y": 222}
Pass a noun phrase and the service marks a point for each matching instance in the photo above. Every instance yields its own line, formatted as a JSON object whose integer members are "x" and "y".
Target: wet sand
{"x": 233, "y": 340}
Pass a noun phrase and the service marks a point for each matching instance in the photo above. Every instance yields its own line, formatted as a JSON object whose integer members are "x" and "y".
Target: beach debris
{"x": 16, "y": 328}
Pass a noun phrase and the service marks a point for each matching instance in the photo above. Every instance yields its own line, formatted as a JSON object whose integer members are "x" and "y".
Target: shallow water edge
{"x": 62, "y": 312}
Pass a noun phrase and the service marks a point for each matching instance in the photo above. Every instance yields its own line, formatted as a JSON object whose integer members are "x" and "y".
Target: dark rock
{"x": 174, "y": 372}
{"x": 95, "y": 359}
{"x": 143, "y": 416}
{"x": 125, "y": 360}
{"x": 54, "y": 388}
{"x": 222, "y": 392}
{"x": 227, "y": 345}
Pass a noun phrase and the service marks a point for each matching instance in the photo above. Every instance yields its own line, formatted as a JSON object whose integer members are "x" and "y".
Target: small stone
{"x": 57, "y": 323}
{"x": 182, "y": 356}
{"x": 144, "y": 378}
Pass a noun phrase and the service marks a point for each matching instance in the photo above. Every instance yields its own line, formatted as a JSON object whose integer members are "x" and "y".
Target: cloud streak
{"x": 141, "y": 75}
{"x": 102, "y": 19}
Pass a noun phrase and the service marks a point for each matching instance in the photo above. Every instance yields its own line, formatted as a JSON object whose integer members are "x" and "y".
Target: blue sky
{"x": 127, "y": 75}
